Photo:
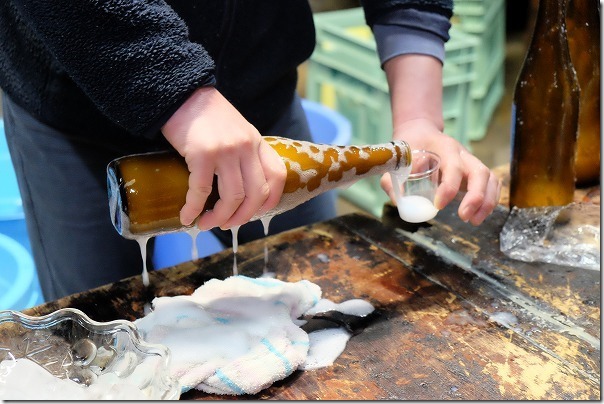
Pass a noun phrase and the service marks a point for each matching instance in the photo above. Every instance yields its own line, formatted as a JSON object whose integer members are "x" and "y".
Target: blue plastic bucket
{"x": 174, "y": 248}
{"x": 19, "y": 285}
{"x": 326, "y": 126}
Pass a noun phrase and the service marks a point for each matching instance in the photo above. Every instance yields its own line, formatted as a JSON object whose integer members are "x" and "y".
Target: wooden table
{"x": 436, "y": 287}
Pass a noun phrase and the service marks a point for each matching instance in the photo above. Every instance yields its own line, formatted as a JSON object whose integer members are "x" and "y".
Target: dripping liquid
{"x": 265, "y": 223}
{"x": 142, "y": 243}
{"x": 234, "y": 231}
{"x": 193, "y": 232}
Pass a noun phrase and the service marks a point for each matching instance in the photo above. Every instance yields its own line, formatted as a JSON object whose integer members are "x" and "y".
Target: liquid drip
{"x": 234, "y": 231}
{"x": 142, "y": 242}
{"x": 194, "y": 232}
{"x": 398, "y": 178}
{"x": 265, "y": 224}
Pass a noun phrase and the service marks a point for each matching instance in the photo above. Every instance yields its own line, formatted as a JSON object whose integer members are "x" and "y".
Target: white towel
{"x": 236, "y": 336}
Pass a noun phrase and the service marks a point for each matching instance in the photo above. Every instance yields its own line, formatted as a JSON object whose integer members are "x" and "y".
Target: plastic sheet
{"x": 564, "y": 235}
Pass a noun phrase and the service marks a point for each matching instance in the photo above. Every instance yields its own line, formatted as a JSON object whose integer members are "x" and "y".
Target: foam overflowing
{"x": 239, "y": 335}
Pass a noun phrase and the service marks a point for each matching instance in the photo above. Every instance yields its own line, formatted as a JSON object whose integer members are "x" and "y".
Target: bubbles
{"x": 83, "y": 352}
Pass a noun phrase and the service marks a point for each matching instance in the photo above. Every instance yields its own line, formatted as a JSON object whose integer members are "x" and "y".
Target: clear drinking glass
{"x": 416, "y": 201}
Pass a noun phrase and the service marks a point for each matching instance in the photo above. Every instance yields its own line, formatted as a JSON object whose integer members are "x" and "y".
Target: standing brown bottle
{"x": 583, "y": 31}
{"x": 544, "y": 116}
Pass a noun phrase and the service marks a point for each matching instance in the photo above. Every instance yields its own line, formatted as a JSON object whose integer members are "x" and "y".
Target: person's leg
{"x": 293, "y": 124}
{"x": 62, "y": 181}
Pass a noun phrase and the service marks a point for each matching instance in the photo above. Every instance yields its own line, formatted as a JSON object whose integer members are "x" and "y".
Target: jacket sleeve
{"x": 132, "y": 58}
{"x": 409, "y": 26}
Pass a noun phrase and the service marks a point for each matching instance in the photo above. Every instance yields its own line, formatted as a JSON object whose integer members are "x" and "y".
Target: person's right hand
{"x": 214, "y": 138}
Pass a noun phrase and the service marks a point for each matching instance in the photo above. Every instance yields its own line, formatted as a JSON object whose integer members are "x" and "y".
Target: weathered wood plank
{"x": 557, "y": 306}
{"x": 432, "y": 339}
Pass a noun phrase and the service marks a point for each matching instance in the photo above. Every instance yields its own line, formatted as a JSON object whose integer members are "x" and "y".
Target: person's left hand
{"x": 460, "y": 171}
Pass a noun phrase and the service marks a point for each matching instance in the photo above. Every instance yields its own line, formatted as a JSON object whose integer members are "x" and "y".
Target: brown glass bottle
{"x": 583, "y": 31}
{"x": 147, "y": 191}
{"x": 544, "y": 116}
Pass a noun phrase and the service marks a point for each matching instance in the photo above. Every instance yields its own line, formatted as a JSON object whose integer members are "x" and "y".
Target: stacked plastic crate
{"x": 344, "y": 74}
{"x": 485, "y": 19}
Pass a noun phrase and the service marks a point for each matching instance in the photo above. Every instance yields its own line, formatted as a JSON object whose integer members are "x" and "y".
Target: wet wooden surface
{"x": 439, "y": 288}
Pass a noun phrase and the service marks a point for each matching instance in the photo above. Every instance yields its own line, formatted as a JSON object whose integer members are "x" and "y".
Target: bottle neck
{"x": 550, "y": 18}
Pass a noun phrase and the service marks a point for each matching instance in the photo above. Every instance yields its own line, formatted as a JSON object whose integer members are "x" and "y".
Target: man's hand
{"x": 214, "y": 138}
{"x": 460, "y": 171}
{"x": 415, "y": 83}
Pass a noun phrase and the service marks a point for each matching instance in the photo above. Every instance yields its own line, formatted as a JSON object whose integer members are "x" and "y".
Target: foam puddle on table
{"x": 241, "y": 334}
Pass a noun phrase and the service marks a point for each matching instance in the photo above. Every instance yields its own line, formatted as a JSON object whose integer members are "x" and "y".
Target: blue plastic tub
{"x": 174, "y": 248}
{"x": 326, "y": 126}
{"x": 19, "y": 285}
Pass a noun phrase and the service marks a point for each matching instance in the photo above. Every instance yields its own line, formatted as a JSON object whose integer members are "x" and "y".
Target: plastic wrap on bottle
{"x": 544, "y": 235}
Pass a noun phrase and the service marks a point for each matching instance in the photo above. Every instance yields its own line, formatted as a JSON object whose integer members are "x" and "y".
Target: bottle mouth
{"x": 403, "y": 154}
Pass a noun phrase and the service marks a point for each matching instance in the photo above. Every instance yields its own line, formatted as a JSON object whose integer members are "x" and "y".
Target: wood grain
{"x": 436, "y": 288}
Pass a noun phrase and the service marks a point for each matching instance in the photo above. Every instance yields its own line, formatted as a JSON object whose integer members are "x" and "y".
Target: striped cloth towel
{"x": 233, "y": 336}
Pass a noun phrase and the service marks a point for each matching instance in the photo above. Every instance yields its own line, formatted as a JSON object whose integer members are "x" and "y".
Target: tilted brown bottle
{"x": 147, "y": 191}
{"x": 583, "y": 31}
{"x": 544, "y": 116}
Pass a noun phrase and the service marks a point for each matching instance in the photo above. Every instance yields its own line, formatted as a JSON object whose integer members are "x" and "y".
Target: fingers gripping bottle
{"x": 147, "y": 191}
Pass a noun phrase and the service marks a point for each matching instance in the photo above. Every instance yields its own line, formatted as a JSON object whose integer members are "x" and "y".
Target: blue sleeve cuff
{"x": 395, "y": 40}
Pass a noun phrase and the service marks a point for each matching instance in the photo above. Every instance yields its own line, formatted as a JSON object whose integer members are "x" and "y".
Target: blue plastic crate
{"x": 485, "y": 19}
{"x": 344, "y": 73}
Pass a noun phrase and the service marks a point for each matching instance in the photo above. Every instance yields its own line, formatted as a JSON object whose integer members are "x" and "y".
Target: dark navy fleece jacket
{"x": 92, "y": 67}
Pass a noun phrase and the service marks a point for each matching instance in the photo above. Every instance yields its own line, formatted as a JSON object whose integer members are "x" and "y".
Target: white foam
{"x": 411, "y": 208}
{"x": 415, "y": 209}
{"x": 355, "y": 307}
{"x": 27, "y": 380}
{"x": 225, "y": 326}
{"x": 325, "y": 347}
{"x": 142, "y": 242}
{"x": 504, "y": 318}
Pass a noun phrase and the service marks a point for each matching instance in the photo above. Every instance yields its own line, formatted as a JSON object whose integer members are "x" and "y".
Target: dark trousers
{"x": 62, "y": 179}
